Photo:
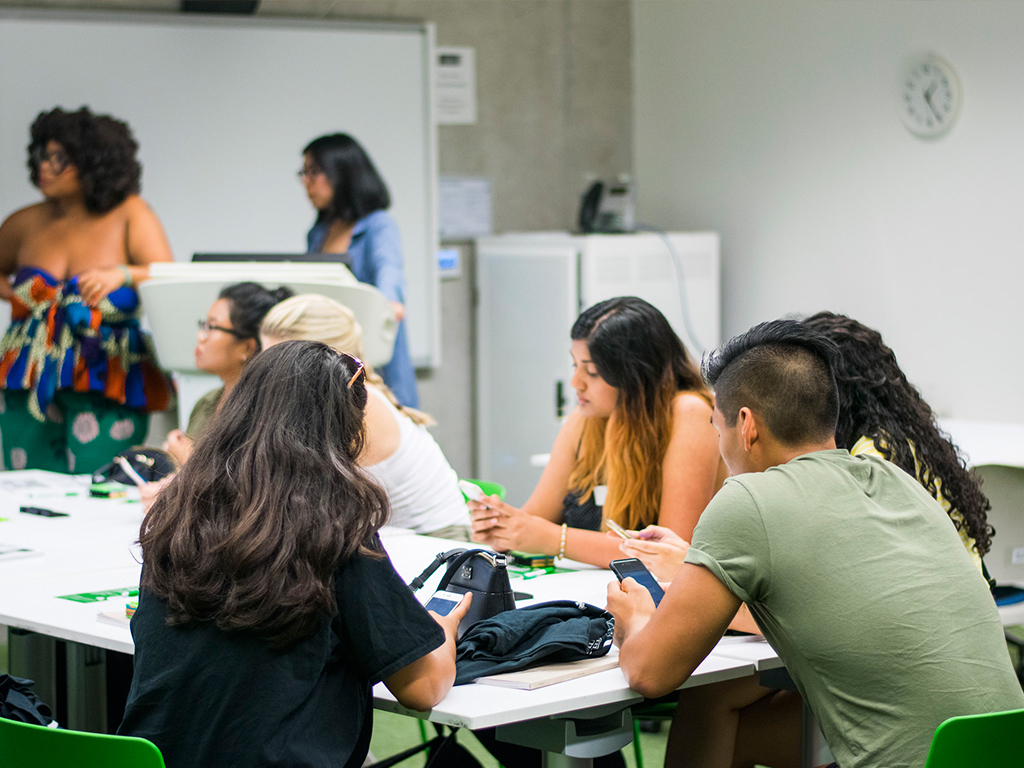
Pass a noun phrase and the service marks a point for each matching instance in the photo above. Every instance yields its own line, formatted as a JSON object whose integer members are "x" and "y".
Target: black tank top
{"x": 587, "y": 515}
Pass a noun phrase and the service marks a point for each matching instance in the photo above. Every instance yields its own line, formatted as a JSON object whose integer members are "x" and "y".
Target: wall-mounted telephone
{"x": 607, "y": 208}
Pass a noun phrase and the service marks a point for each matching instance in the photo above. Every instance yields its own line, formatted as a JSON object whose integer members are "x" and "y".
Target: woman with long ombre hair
{"x": 268, "y": 607}
{"x": 638, "y": 449}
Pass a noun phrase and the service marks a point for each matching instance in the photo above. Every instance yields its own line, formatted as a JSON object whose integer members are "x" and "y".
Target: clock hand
{"x": 928, "y": 99}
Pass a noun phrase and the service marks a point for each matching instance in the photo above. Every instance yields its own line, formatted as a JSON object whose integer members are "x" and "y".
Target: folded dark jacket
{"x": 546, "y": 633}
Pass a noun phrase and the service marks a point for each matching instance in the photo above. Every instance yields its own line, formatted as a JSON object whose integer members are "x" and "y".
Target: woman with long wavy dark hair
{"x": 638, "y": 449}
{"x": 399, "y": 453}
{"x": 882, "y": 413}
{"x": 351, "y": 200}
{"x": 268, "y": 607}
{"x": 79, "y": 376}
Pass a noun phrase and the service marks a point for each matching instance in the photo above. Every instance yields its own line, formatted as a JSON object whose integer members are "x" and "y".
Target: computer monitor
{"x": 304, "y": 258}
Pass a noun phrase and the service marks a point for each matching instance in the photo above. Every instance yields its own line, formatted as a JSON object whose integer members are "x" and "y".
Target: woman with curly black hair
{"x": 79, "y": 377}
{"x": 882, "y": 413}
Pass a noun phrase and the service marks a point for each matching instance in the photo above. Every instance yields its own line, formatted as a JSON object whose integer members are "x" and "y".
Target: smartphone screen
{"x": 443, "y": 602}
{"x": 634, "y": 569}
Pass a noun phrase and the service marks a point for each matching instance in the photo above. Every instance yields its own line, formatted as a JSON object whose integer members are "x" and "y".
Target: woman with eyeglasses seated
{"x": 640, "y": 437}
{"x": 399, "y": 453}
{"x": 79, "y": 377}
{"x": 351, "y": 200}
{"x": 228, "y": 339}
{"x": 268, "y": 607}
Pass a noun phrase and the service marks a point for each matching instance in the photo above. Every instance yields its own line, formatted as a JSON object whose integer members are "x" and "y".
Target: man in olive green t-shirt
{"x": 853, "y": 572}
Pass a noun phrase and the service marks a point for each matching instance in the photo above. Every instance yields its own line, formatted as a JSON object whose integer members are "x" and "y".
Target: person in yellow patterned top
{"x": 883, "y": 414}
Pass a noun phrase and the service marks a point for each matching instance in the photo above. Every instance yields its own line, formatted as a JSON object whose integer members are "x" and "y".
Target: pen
{"x": 130, "y": 470}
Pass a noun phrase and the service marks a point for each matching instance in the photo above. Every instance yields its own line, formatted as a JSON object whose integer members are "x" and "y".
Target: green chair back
{"x": 491, "y": 489}
{"x": 24, "y": 744}
{"x": 992, "y": 740}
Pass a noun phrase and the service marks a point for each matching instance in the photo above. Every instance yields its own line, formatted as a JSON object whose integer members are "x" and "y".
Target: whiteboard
{"x": 222, "y": 108}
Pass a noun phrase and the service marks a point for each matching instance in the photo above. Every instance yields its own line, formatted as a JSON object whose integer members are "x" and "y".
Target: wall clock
{"x": 928, "y": 95}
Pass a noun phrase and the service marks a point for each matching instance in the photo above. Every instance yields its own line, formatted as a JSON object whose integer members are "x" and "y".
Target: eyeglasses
{"x": 58, "y": 159}
{"x": 309, "y": 172}
{"x": 205, "y": 326}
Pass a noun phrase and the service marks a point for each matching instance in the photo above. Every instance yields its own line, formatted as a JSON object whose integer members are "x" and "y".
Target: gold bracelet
{"x": 561, "y": 546}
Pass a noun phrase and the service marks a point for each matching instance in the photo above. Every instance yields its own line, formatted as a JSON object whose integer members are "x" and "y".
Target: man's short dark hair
{"x": 782, "y": 371}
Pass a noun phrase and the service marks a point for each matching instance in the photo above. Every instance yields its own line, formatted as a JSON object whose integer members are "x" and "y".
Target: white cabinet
{"x": 530, "y": 289}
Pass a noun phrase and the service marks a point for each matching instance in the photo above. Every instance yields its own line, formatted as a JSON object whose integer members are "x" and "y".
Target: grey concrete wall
{"x": 554, "y": 90}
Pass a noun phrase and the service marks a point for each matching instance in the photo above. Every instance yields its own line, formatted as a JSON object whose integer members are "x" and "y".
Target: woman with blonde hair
{"x": 639, "y": 448}
{"x": 399, "y": 452}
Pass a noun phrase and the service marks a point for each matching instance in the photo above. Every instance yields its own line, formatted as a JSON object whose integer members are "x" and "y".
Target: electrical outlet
{"x": 1017, "y": 556}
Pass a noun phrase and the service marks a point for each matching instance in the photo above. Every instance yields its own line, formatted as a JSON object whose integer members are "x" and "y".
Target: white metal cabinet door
{"x": 641, "y": 265}
{"x": 526, "y": 304}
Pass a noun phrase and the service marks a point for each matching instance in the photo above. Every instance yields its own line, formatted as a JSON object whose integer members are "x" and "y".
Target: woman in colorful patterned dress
{"x": 79, "y": 378}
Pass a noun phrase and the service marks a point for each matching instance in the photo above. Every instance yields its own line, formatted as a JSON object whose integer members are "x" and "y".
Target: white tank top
{"x": 420, "y": 483}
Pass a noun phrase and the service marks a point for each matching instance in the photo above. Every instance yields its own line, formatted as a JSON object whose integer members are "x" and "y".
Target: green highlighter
{"x": 108, "y": 490}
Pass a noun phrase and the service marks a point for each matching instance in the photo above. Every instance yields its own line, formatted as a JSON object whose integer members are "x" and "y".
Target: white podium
{"x": 178, "y": 295}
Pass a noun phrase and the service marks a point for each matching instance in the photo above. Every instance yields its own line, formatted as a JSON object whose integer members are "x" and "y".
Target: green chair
{"x": 491, "y": 489}
{"x": 651, "y": 710}
{"x": 992, "y": 740}
{"x": 24, "y": 744}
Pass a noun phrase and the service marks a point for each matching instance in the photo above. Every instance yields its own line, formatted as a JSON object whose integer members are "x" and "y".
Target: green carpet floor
{"x": 394, "y": 733}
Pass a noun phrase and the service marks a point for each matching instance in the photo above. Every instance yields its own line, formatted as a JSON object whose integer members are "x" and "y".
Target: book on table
{"x": 549, "y": 674}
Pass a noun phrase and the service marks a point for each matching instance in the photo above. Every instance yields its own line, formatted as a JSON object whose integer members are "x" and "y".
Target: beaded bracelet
{"x": 561, "y": 546}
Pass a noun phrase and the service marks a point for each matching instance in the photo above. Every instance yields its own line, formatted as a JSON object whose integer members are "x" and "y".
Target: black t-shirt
{"x": 208, "y": 698}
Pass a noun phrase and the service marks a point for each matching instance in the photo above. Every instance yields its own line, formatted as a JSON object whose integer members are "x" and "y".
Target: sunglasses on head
{"x": 359, "y": 366}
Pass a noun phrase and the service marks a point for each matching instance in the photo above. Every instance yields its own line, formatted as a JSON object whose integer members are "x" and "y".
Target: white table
{"x": 92, "y": 550}
{"x": 987, "y": 442}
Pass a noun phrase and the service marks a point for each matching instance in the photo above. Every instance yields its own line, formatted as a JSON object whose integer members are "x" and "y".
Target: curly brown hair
{"x": 877, "y": 401}
{"x": 101, "y": 147}
{"x": 252, "y": 531}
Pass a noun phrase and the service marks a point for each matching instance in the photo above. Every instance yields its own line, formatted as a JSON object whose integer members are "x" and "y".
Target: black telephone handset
{"x": 607, "y": 208}
{"x": 590, "y": 205}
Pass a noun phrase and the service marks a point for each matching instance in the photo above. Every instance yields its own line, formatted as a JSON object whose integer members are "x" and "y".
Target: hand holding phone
{"x": 634, "y": 569}
{"x": 472, "y": 491}
{"x": 443, "y": 602}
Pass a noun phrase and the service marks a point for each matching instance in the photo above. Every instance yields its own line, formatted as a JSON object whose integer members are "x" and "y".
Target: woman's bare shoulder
{"x": 28, "y": 217}
{"x": 133, "y": 205}
{"x": 689, "y": 405}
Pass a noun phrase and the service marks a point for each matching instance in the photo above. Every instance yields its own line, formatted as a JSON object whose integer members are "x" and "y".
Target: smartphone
{"x": 443, "y": 602}
{"x": 472, "y": 490}
{"x": 634, "y": 569}
{"x": 617, "y": 529}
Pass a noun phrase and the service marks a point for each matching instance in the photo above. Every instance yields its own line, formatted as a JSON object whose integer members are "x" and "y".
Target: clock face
{"x": 929, "y": 96}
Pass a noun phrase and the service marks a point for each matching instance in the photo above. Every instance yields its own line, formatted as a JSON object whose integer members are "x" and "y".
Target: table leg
{"x": 814, "y": 750}
{"x": 574, "y": 742}
{"x": 87, "y": 688}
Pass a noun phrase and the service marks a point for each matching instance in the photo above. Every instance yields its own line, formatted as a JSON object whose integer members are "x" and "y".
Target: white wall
{"x": 775, "y": 123}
